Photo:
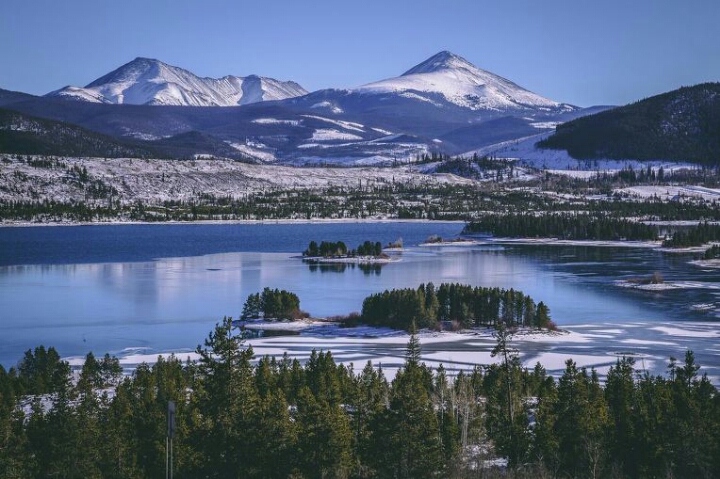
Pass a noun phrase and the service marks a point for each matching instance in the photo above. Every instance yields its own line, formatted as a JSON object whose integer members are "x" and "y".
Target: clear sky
{"x": 577, "y": 51}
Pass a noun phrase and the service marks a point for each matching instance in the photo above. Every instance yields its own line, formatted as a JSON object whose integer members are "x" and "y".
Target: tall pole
{"x": 169, "y": 440}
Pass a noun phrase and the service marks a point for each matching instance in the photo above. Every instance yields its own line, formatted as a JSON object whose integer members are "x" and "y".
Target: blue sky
{"x": 577, "y": 51}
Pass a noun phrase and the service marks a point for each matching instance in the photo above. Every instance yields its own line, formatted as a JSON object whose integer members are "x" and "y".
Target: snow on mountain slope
{"x": 461, "y": 83}
{"x": 145, "y": 81}
{"x": 527, "y": 154}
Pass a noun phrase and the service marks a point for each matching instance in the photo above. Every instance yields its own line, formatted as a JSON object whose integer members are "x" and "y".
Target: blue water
{"x": 124, "y": 243}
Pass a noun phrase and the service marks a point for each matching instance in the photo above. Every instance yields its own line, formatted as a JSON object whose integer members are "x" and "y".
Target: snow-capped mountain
{"x": 145, "y": 81}
{"x": 443, "y": 105}
{"x": 442, "y": 93}
{"x": 461, "y": 83}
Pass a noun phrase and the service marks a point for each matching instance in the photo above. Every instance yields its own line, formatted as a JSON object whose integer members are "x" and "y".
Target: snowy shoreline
{"x": 288, "y": 221}
{"x": 597, "y": 345}
{"x": 561, "y": 242}
{"x": 461, "y": 242}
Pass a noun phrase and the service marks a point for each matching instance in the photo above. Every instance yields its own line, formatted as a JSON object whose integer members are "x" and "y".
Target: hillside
{"x": 681, "y": 125}
{"x": 28, "y": 135}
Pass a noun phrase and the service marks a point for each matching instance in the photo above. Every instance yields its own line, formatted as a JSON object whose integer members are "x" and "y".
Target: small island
{"x": 395, "y": 245}
{"x": 338, "y": 252}
{"x": 654, "y": 282}
{"x": 709, "y": 259}
{"x": 436, "y": 240}
{"x": 712, "y": 253}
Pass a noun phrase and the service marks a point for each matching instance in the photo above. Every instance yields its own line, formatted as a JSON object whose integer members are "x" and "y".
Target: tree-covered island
{"x": 330, "y": 250}
{"x": 449, "y": 306}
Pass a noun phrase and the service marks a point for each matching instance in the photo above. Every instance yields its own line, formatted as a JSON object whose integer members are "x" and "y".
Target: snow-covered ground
{"x": 665, "y": 286}
{"x": 670, "y": 191}
{"x": 707, "y": 263}
{"x": 154, "y": 181}
{"x": 459, "y": 242}
{"x": 329, "y": 134}
{"x": 596, "y": 346}
{"x": 561, "y": 242}
{"x": 560, "y": 162}
{"x": 348, "y": 125}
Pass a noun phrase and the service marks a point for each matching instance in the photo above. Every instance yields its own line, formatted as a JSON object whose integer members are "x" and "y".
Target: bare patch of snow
{"x": 325, "y": 134}
{"x": 275, "y": 121}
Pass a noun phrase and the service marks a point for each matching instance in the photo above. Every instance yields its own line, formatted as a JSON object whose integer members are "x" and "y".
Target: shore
{"x": 25, "y": 224}
{"x": 561, "y": 242}
{"x": 597, "y": 346}
{"x": 460, "y": 242}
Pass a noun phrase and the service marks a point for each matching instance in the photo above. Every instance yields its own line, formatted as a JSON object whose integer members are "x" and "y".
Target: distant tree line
{"x": 467, "y": 306}
{"x": 712, "y": 253}
{"x": 562, "y": 226}
{"x": 590, "y": 227}
{"x": 693, "y": 236}
{"x": 272, "y": 304}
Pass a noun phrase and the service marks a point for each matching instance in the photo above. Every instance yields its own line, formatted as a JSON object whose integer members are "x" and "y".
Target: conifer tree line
{"x": 694, "y": 236}
{"x": 712, "y": 253}
{"x": 563, "y": 226}
{"x": 466, "y": 306}
{"x": 277, "y": 418}
{"x": 589, "y": 227}
{"x": 272, "y": 304}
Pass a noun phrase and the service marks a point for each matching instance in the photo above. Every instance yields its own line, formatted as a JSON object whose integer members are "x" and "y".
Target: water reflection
{"x": 366, "y": 268}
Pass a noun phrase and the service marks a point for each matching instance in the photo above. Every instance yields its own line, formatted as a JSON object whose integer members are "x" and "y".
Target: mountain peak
{"x": 443, "y": 60}
{"x": 451, "y": 77}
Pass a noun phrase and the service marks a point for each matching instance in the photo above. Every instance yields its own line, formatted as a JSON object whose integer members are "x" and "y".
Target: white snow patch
{"x": 348, "y": 125}
{"x": 328, "y": 105}
{"x": 556, "y": 361}
{"x": 324, "y": 134}
{"x": 275, "y": 121}
{"x": 687, "y": 333}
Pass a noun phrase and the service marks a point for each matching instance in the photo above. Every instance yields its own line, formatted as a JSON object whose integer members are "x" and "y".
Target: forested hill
{"x": 681, "y": 125}
{"x": 27, "y": 135}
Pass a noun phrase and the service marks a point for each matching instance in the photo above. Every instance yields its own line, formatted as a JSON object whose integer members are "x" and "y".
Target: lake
{"x": 156, "y": 288}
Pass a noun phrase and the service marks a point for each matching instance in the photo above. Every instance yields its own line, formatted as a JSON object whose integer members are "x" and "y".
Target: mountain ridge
{"x": 443, "y": 104}
{"x": 147, "y": 81}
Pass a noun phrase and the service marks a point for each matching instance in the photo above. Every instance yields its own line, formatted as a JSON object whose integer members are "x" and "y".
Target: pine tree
{"x": 620, "y": 396}
{"x": 227, "y": 399}
{"x": 325, "y": 438}
{"x": 542, "y": 316}
{"x": 415, "y": 444}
